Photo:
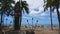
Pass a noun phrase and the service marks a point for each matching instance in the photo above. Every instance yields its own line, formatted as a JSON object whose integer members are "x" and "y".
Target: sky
{"x": 36, "y": 11}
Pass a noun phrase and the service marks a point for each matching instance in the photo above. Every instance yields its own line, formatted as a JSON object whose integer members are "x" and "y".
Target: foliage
{"x": 51, "y": 3}
{"x": 6, "y": 5}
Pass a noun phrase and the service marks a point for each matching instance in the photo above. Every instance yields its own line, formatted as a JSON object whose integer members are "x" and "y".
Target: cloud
{"x": 16, "y": 0}
{"x": 33, "y": 12}
{"x": 35, "y": 7}
{"x": 24, "y": 17}
{"x": 59, "y": 9}
{"x": 43, "y": 14}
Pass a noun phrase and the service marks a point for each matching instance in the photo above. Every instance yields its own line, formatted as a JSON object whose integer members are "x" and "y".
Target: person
{"x": 27, "y": 32}
{"x": 30, "y": 32}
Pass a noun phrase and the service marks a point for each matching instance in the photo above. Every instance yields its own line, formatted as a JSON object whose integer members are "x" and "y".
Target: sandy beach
{"x": 39, "y": 30}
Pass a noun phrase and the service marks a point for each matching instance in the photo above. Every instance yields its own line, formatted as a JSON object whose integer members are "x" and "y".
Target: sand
{"x": 39, "y": 30}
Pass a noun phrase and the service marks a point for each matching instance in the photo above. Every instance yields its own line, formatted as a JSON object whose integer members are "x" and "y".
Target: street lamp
{"x": 28, "y": 23}
{"x": 10, "y": 23}
{"x": 6, "y": 21}
{"x": 32, "y": 23}
{"x": 37, "y": 22}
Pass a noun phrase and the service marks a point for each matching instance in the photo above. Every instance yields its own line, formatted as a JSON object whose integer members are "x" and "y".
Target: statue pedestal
{"x": 1, "y": 32}
{"x": 14, "y": 32}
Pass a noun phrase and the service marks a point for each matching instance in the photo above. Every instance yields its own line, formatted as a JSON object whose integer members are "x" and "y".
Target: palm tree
{"x": 51, "y": 18}
{"x": 55, "y": 5}
{"x": 0, "y": 21}
{"x": 50, "y": 12}
{"x": 5, "y": 6}
{"x": 18, "y": 13}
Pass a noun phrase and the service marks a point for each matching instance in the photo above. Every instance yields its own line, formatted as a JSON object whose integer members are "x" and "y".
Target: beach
{"x": 39, "y": 30}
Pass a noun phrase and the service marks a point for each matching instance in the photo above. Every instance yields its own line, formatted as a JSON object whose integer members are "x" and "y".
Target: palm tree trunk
{"x": 58, "y": 18}
{"x": 51, "y": 18}
{"x": 1, "y": 22}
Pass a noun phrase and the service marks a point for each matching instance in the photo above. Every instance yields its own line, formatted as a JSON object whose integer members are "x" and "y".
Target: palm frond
{"x": 6, "y": 5}
{"x": 27, "y": 10}
{"x": 25, "y": 6}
